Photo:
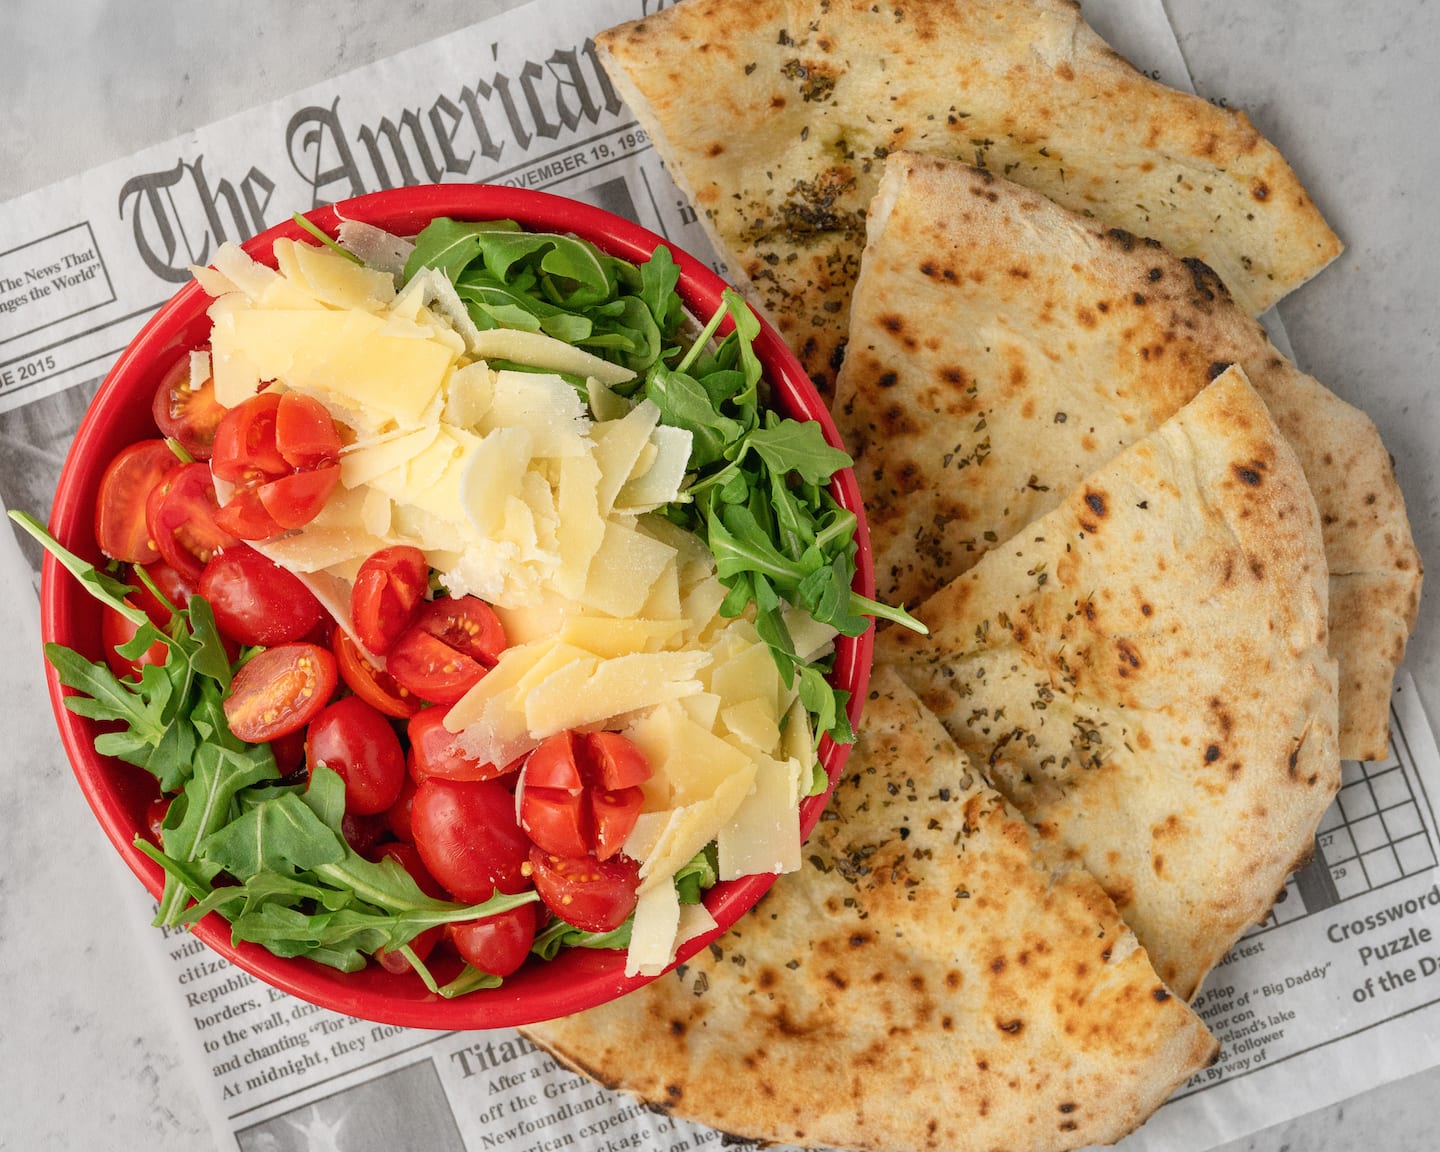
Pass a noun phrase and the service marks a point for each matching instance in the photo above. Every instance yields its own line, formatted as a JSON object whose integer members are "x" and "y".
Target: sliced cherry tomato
{"x": 295, "y": 500}
{"x": 121, "y": 528}
{"x": 618, "y": 763}
{"x": 357, "y": 741}
{"x": 497, "y": 944}
{"x": 431, "y": 669}
{"x": 613, "y": 814}
{"x": 423, "y": 944}
{"x": 182, "y": 520}
{"x": 593, "y": 895}
{"x": 434, "y": 753}
{"x": 373, "y": 685}
{"x": 189, "y": 415}
{"x": 556, "y": 820}
{"x": 452, "y": 644}
{"x": 256, "y": 601}
{"x": 245, "y": 449}
{"x": 305, "y": 435}
{"x": 244, "y": 516}
{"x": 467, "y": 836}
{"x": 388, "y": 591}
{"x": 279, "y": 690}
{"x": 554, "y": 764}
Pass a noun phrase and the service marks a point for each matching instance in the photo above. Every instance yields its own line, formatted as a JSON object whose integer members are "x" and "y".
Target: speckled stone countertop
{"x": 1348, "y": 89}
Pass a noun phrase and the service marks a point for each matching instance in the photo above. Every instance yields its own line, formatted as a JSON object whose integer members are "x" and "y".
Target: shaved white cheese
{"x": 618, "y": 445}
{"x": 661, "y": 481}
{"x": 754, "y": 723}
{"x": 468, "y": 393}
{"x": 622, "y": 684}
{"x": 493, "y": 475}
{"x": 605, "y": 403}
{"x": 580, "y": 528}
{"x": 376, "y": 247}
{"x": 610, "y": 638}
{"x": 430, "y": 290}
{"x": 248, "y": 276}
{"x": 541, "y": 351}
{"x": 199, "y": 370}
{"x": 544, "y": 405}
{"x": 692, "y": 826}
{"x": 213, "y": 281}
{"x": 652, "y": 935}
{"x": 363, "y": 463}
{"x": 344, "y": 359}
{"x": 764, "y": 833}
{"x": 339, "y": 282}
{"x": 625, "y": 567}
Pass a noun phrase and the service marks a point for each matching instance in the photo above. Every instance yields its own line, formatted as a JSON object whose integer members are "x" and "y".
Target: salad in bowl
{"x": 467, "y": 606}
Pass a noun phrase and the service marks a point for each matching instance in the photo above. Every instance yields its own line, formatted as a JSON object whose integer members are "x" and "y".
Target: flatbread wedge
{"x": 775, "y": 116}
{"x": 1002, "y": 348}
{"x": 1143, "y": 672}
{"x": 933, "y": 978}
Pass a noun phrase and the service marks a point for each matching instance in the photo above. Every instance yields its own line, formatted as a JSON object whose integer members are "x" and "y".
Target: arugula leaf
{"x": 558, "y": 934}
{"x": 700, "y": 874}
{"x": 471, "y": 979}
{"x": 103, "y": 587}
{"x": 790, "y": 446}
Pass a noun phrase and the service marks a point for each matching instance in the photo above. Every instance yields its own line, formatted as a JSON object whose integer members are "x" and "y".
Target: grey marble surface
{"x": 1348, "y": 90}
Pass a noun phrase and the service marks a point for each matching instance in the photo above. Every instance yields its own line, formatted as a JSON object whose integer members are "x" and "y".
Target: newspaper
{"x": 1335, "y": 993}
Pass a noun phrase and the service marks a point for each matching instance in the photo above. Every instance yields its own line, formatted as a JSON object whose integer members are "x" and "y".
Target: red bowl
{"x": 119, "y": 793}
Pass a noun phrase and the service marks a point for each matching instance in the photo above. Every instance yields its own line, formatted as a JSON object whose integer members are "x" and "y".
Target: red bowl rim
{"x": 589, "y": 978}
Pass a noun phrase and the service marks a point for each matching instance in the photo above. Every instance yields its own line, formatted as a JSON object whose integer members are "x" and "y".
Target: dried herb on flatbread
{"x": 1143, "y": 672}
{"x": 1002, "y": 348}
{"x": 776, "y": 116}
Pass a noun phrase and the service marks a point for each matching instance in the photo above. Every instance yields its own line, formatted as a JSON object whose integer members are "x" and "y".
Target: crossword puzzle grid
{"x": 1372, "y": 835}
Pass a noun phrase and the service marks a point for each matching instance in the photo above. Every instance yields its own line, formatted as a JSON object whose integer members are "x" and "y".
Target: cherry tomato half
{"x": 373, "y": 685}
{"x": 357, "y": 741}
{"x": 591, "y": 894}
{"x": 557, "y": 821}
{"x": 497, "y": 944}
{"x": 181, "y": 515}
{"x": 388, "y": 591}
{"x": 255, "y": 601}
{"x": 279, "y": 690}
{"x": 189, "y": 415}
{"x": 617, "y": 762}
{"x": 433, "y": 751}
{"x": 467, "y": 836}
{"x": 452, "y": 644}
{"x": 121, "y": 529}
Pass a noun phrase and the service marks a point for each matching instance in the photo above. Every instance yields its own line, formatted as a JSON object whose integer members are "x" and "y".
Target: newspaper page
{"x": 1335, "y": 993}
